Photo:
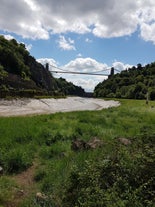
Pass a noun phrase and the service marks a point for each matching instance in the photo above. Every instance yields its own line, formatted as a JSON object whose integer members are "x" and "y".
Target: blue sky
{"x": 83, "y": 35}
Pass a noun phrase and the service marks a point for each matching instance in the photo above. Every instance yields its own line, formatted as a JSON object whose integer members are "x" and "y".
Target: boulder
{"x": 124, "y": 141}
{"x": 94, "y": 143}
{"x": 78, "y": 144}
{"x": 40, "y": 196}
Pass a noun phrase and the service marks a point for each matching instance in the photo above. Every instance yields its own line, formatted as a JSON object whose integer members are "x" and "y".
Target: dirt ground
{"x": 21, "y": 107}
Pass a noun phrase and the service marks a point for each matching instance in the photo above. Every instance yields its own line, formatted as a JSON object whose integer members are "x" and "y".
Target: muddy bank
{"x": 20, "y": 107}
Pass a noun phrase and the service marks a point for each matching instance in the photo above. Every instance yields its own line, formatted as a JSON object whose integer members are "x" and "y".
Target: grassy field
{"x": 36, "y": 156}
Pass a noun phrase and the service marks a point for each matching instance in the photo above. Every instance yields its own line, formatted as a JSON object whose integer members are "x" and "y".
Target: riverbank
{"x": 21, "y": 107}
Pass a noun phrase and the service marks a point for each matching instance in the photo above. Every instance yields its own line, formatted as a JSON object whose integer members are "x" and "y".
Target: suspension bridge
{"x": 105, "y": 72}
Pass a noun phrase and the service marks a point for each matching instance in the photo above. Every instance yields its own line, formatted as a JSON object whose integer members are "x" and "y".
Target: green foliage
{"x": 152, "y": 94}
{"x": 133, "y": 83}
{"x": 12, "y": 57}
{"x": 3, "y": 73}
{"x": 69, "y": 88}
{"x": 6, "y": 189}
{"x": 124, "y": 178}
{"x": 22, "y": 74}
{"x": 33, "y": 202}
{"x": 112, "y": 175}
{"x": 16, "y": 160}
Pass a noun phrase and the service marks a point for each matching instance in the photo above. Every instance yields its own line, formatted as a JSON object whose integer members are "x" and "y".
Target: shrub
{"x": 16, "y": 160}
{"x": 125, "y": 178}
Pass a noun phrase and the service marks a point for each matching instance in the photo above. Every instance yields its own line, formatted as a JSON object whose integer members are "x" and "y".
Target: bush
{"x": 16, "y": 161}
{"x": 126, "y": 178}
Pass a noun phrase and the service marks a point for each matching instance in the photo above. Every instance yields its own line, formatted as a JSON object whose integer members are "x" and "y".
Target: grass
{"x": 48, "y": 138}
{"x": 6, "y": 189}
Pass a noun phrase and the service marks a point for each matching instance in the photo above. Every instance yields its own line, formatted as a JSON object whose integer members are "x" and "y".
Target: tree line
{"x": 133, "y": 83}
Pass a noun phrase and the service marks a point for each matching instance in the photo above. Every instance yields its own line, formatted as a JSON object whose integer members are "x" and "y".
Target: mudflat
{"x": 24, "y": 106}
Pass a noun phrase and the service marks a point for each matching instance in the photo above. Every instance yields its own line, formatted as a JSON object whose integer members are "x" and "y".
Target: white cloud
{"x": 148, "y": 32}
{"x": 23, "y": 20}
{"x": 28, "y": 47}
{"x": 35, "y": 31}
{"x": 85, "y": 65}
{"x": 32, "y": 5}
{"x": 121, "y": 66}
{"x": 88, "y": 40}
{"x": 105, "y": 19}
{"x": 79, "y": 55}
{"x": 8, "y": 37}
{"x": 147, "y": 22}
{"x": 66, "y": 44}
{"x": 50, "y": 61}
{"x": 88, "y": 82}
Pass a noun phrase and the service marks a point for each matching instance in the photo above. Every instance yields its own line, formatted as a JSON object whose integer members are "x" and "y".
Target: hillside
{"x": 22, "y": 75}
{"x": 133, "y": 83}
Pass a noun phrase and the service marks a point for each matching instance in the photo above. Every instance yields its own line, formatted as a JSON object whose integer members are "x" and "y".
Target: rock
{"x": 82, "y": 145}
{"x": 124, "y": 141}
{"x": 94, "y": 143}
{"x": 20, "y": 193}
{"x": 1, "y": 170}
{"x": 40, "y": 196}
{"x": 78, "y": 144}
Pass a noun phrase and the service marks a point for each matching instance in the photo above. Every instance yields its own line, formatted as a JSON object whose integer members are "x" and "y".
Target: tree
{"x": 131, "y": 83}
{"x": 152, "y": 94}
{"x": 139, "y": 66}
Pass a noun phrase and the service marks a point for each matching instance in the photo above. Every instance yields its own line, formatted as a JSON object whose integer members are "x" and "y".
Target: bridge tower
{"x": 47, "y": 66}
{"x": 111, "y": 72}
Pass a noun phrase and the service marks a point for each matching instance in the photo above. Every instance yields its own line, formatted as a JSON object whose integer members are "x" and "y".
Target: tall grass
{"x": 48, "y": 138}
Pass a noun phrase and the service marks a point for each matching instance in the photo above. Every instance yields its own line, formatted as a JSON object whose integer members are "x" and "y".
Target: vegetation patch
{"x": 133, "y": 83}
{"x": 123, "y": 178}
{"x": 118, "y": 171}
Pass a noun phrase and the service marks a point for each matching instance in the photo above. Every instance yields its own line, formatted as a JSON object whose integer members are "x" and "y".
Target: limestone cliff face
{"x": 19, "y": 70}
{"x": 20, "y": 74}
{"x": 41, "y": 76}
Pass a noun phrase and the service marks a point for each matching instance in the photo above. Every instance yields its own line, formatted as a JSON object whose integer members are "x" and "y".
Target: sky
{"x": 82, "y": 35}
